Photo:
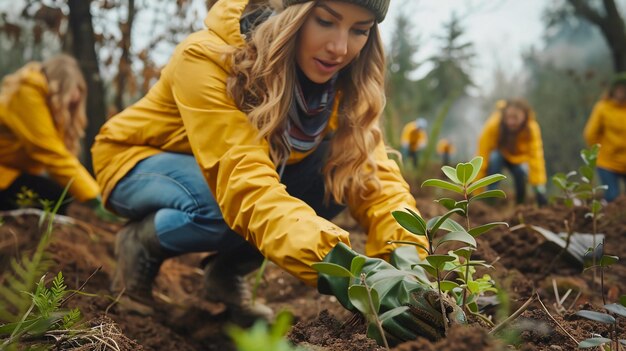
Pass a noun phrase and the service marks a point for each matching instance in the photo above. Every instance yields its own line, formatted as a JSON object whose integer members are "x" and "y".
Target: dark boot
{"x": 139, "y": 257}
{"x": 224, "y": 281}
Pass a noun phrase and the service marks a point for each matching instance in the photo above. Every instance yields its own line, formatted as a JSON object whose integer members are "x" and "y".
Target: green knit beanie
{"x": 618, "y": 79}
{"x": 379, "y": 7}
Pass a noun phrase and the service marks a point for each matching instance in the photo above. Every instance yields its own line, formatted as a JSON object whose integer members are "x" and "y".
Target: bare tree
{"x": 83, "y": 47}
{"x": 611, "y": 24}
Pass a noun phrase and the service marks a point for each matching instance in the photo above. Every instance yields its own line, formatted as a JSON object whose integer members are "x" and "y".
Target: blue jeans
{"x": 188, "y": 218}
{"x": 497, "y": 162}
{"x": 611, "y": 179}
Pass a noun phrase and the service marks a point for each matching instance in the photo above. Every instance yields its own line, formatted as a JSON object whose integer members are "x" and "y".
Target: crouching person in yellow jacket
{"x": 607, "y": 126}
{"x": 258, "y": 131}
{"x": 511, "y": 139}
{"x": 413, "y": 140}
{"x": 42, "y": 118}
{"x": 445, "y": 149}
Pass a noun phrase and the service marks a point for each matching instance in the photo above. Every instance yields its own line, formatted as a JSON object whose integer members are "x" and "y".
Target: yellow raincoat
{"x": 607, "y": 127}
{"x": 413, "y": 138}
{"x": 528, "y": 148}
{"x": 189, "y": 111}
{"x": 30, "y": 142}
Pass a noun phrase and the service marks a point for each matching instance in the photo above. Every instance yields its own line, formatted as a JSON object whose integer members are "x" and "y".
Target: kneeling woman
{"x": 259, "y": 130}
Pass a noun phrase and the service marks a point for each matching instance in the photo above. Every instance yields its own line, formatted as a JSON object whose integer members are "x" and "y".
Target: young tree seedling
{"x": 463, "y": 181}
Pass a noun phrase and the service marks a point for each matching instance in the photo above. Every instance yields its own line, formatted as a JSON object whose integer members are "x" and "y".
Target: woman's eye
{"x": 364, "y": 32}
{"x": 324, "y": 23}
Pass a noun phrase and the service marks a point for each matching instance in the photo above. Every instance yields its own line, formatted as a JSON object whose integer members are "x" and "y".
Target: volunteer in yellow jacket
{"x": 511, "y": 138}
{"x": 445, "y": 149}
{"x": 258, "y": 131}
{"x": 42, "y": 118}
{"x": 607, "y": 127}
{"x": 413, "y": 140}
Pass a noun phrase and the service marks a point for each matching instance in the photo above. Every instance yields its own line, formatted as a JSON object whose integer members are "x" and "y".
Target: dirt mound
{"x": 183, "y": 321}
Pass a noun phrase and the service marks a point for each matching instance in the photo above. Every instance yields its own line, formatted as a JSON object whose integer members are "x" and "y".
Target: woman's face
{"x": 513, "y": 118}
{"x": 331, "y": 37}
{"x": 619, "y": 93}
{"x": 75, "y": 95}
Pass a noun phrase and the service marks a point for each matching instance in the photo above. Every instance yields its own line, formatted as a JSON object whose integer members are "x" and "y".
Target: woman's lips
{"x": 325, "y": 66}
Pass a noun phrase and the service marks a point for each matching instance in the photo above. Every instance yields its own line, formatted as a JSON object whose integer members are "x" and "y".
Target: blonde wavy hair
{"x": 63, "y": 75}
{"x": 262, "y": 84}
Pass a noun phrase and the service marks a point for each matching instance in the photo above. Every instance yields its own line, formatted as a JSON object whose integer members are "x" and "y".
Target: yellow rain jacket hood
{"x": 607, "y": 127}
{"x": 30, "y": 142}
{"x": 528, "y": 148}
{"x": 189, "y": 111}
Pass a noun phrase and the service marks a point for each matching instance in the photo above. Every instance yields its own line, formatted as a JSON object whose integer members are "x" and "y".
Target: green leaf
{"x": 476, "y": 231}
{"x": 434, "y": 223}
{"x": 586, "y": 172}
{"x": 451, "y": 174}
{"x": 334, "y": 270}
{"x": 489, "y": 194}
{"x": 409, "y": 222}
{"x": 560, "y": 181}
{"x": 593, "y": 342}
{"x": 477, "y": 162}
{"x": 428, "y": 268}
{"x": 488, "y": 180}
{"x": 447, "y": 285}
{"x": 463, "y": 237}
{"x": 385, "y": 275}
{"x": 596, "y": 316}
{"x": 464, "y": 252}
{"x": 374, "y": 333}
{"x": 442, "y": 184}
{"x": 608, "y": 260}
{"x": 392, "y": 313}
{"x": 282, "y": 324}
{"x": 451, "y": 225}
{"x": 356, "y": 265}
{"x": 596, "y": 206}
{"x": 358, "y": 295}
{"x": 616, "y": 308}
{"x": 622, "y": 300}
{"x": 446, "y": 202}
{"x": 414, "y": 243}
{"x": 438, "y": 261}
{"x": 464, "y": 172}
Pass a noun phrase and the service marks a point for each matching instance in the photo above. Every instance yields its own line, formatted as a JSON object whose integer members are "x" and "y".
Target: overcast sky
{"x": 500, "y": 29}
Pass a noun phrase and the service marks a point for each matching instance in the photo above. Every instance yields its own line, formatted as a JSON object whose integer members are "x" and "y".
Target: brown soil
{"x": 183, "y": 321}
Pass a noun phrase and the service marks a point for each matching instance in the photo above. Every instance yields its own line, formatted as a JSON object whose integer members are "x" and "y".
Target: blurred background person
{"x": 445, "y": 150}
{"x": 607, "y": 126}
{"x": 511, "y": 138}
{"x": 413, "y": 140}
{"x": 42, "y": 119}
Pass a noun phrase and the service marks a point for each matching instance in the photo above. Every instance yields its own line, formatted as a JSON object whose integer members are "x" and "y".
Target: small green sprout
{"x": 263, "y": 337}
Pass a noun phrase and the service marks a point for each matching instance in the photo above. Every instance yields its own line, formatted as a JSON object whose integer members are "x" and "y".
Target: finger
{"x": 419, "y": 326}
{"x": 398, "y": 330}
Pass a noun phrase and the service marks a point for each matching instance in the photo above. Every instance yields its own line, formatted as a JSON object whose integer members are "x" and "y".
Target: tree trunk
{"x": 84, "y": 49}
{"x": 611, "y": 25}
{"x": 124, "y": 68}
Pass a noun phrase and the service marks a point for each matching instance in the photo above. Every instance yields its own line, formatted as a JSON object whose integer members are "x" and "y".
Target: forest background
{"x": 562, "y": 75}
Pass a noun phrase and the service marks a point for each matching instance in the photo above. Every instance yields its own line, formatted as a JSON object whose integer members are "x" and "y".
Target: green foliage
{"x": 439, "y": 230}
{"x": 43, "y": 314}
{"x": 363, "y": 297}
{"x": 618, "y": 310}
{"x": 27, "y": 198}
{"x": 263, "y": 337}
{"x": 29, "y": 307}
